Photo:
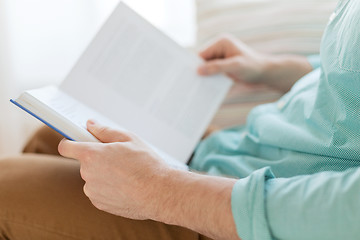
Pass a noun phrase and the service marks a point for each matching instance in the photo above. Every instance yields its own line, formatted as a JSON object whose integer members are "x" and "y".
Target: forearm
{"x": 281, "y": 72}
{"x": 198, "y": 202}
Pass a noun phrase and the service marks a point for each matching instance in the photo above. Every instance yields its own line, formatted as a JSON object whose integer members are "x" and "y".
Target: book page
{"x": 139, "y": 78}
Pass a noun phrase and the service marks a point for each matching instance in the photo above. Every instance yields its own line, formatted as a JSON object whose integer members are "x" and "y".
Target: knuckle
{"x": 98, "y": 204}
{"x": 234, "y": 64}
{"x": 215, "y": 67}
{"x": 86, "y": 190}
{"x": 83, "y": 174}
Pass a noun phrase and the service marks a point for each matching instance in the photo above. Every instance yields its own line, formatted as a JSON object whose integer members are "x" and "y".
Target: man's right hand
{"x": 234, "y": 58}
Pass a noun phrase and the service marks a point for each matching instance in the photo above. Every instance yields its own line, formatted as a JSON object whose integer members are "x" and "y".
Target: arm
{"x": 283, "y": 71}
{"x": 320, "y": 206}
{"x": 232, "y": 57}
{"x": 324, "y": 206}
{"x": 126, "y": 178}
{"x": 198, "y": 202}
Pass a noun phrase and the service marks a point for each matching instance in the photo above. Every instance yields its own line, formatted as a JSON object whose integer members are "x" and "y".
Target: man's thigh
{"x": 41, "y": 197}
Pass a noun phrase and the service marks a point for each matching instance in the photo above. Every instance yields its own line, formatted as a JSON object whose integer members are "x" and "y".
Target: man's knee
{"x": 44, "y": 141}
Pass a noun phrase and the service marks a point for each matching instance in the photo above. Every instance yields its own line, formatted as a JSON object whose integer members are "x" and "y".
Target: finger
{"x": 213, "y": 50}
{"x": 219, "y": 48}
{"x": 75, "y": 150}
{"x": 106, "y": 134}
{"x": 217, "y": 66}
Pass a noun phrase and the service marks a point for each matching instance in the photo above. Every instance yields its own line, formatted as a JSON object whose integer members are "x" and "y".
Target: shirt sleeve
{"x": 315, "y": 61}
{"x": 321, "y": 206}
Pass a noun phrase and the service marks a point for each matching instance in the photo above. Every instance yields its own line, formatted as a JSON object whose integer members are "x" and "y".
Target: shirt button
{"x": 244, "y": 134}
{"x": 332, "y": 17}
{"x": 281, "y": 105}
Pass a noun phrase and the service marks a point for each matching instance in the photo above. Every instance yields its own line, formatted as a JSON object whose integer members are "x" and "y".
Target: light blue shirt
{"x": 298, "y": 159}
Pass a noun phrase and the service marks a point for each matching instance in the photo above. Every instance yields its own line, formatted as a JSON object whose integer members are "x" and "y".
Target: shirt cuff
{"x": 248, "y": 206}
{"x": 315, "y": 61}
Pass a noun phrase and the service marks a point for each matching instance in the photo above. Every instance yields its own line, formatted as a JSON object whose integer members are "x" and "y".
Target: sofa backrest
{"x": 273, "y": 26}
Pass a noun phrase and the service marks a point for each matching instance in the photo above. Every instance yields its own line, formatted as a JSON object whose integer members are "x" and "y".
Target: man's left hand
{"x": 122, "y": 174}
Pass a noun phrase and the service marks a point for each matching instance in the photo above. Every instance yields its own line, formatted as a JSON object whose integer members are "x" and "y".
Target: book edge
{"x": 41, "y": 119}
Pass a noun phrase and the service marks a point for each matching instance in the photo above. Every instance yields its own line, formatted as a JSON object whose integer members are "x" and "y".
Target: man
{"x": 295, "y": 162}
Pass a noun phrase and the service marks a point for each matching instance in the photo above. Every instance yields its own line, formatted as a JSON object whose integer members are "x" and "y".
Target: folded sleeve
{"x": 321, "y": 206}
{"x": 248, "y": 206}
{"x": 314, "y": 60}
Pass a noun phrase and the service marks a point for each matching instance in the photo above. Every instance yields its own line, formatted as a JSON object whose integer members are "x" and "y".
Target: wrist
{"x": 282, "y": 71}
{"x": 198, "y": 202}
{"x": 270, "y": 65}
{"x": 267, "y": 64}
{"x": 167, "y": 190}
{"x": 161, "y": 195}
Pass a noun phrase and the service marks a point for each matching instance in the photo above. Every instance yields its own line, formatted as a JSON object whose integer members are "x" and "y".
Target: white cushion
{"x": 273, "y": 26}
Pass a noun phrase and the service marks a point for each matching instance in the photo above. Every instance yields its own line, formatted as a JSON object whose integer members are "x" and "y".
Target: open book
{"x": 133, "y": 77}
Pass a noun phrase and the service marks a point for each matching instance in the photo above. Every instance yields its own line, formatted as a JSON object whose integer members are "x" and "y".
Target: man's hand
{"x": 232, "y": 57}
{"x": 121, "y": 175}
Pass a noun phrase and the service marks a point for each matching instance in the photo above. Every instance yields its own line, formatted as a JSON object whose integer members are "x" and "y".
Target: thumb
{"x": 107, "y": 134}
{"x": 217, "y": 66}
